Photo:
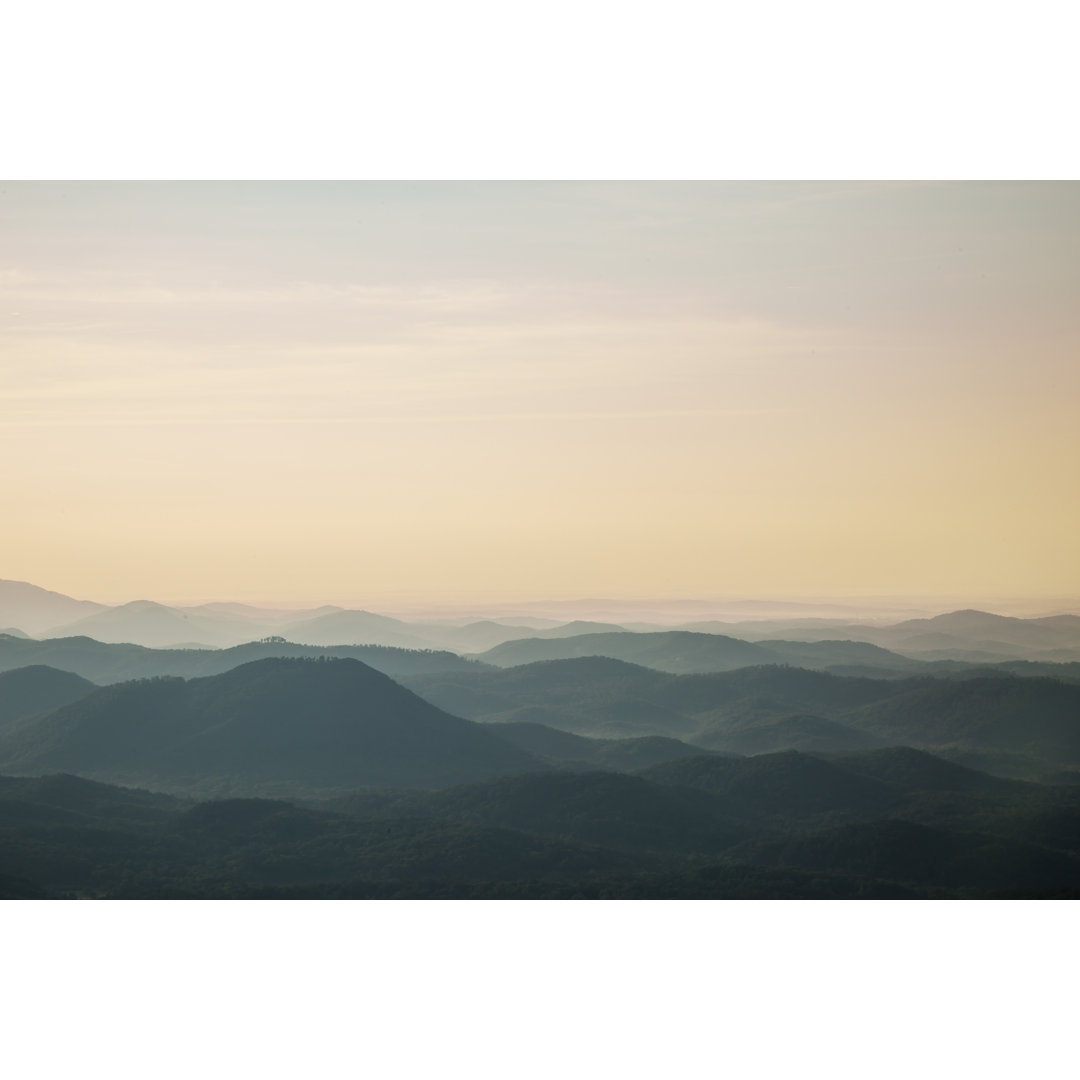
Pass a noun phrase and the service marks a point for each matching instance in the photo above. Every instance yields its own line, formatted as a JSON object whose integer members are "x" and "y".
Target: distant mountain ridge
{"x": 966, "y": 636}
{"x": 1012, "y": 726}
{"x": 33, "y": 610}
{"x": 146, "y": 623}
{"x": 682, "y": 652}
{"x": 41, "y": 613}
{"x": 102, "y": 662}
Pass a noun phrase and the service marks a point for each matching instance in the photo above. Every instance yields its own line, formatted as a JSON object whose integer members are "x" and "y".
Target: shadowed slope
{"x": 1037, "y": 720}
{"x": 788, "y": 784}
{"x": 31, "y": 691}
{"x": 621, "y": 755}
{"x": 319, "y": 724}
{"x": 611, "y": 809}
{"x": 906, "y": 852}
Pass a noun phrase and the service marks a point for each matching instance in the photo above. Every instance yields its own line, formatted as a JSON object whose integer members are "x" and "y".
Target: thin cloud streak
{"x": 541, "y": 388}
{"x": 455, "y": 418}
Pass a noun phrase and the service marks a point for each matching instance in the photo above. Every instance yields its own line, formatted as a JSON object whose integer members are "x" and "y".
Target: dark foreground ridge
{"x": 773, "y": 827}
{"x": 326, "y": 778}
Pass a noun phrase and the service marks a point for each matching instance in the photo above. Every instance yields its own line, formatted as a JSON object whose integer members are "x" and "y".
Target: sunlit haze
{"x": 431, "y": 393}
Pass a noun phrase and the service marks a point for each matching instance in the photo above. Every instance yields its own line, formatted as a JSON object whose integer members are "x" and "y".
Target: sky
{"x": 393, "y": 394}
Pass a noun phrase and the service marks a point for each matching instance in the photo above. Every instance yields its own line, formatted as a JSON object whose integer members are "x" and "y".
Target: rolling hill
{"x": 578, "y": 751}
{"x": 885, "y": 823}
{"x": 1020, "y": 727}
{"x": 310, "y": 725}
{"x": 31, "y": 691}
{"x": 354, "y": 628}
{"x": 908, "y": 853}
{"x": 601, "y": 697}
{"x": 1030, "y": 724}
{"x": 154, "y": 625}
{"x": 33, "y": 609}
{"x": 682, "y": 652}
{"x": 109, "y": 663}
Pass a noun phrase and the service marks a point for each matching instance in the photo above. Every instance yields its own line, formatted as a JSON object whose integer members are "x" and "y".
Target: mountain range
{"x": 327, "y": 778}
{"x": 208, "y": 733}
{"x": 316, "y": 724}
{"x": 108, "y": 663}
{"x": 26, "y": 609}
{"x": 961, "y": 636}
{"x": 200, "y": 752}
{"x": 1024, "y": 727}
{"x": 884, "y": 824}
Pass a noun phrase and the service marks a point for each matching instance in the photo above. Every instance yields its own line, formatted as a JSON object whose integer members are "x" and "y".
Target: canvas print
{"x": 555, "y": 540}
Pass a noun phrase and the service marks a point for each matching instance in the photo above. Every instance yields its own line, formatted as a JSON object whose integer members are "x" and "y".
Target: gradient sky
{"x": 388, "y": 393}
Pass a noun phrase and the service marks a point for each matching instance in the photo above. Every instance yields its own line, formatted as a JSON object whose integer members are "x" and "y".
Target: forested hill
{"x": 889, "y": 823}
{"x": 1020, "y": 727}
{"x": 683, "y": 652}
{"x": 30, "y": 691}
{"x": 311, "y": 724}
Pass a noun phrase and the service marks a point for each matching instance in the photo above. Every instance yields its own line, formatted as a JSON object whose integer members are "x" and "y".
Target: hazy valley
{"x": 227, "y": 751}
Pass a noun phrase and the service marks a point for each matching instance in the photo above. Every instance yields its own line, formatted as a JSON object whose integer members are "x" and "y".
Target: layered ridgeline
{"x": 391, "y": 795}
{"x": 33, "y": 610}
{"x": 886, "y": 823}
{"x": 588, "y": 713}
{"x": 969, "y": 635}
{"x": 303, "y": 725}
{"x": 1023, "y": 727}
{"x": 33, "y": 691}
{"x": 684, "y": 652}
{"x": 956, "y": 637}
{"x": 103, "y": 663}
{"x": 27, "y": 610}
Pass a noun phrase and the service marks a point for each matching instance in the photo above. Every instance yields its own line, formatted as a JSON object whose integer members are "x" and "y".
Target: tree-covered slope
{"x": 909, "y": 853}
{"x": 792, "y": 786}
{"x": 591, "y": 696}
{"x": 610, "y": 809}
{"x": 1033, "y": 719}
{"x": 1014, "y": 726}
{"x": 765, "y": 733}
{"x": 313, "y": 724}
{"x": 620, "y": 755}
{"x": 602, "y": 697}
{"x": 31, "y": 691}
{"x": 901, "y": 824}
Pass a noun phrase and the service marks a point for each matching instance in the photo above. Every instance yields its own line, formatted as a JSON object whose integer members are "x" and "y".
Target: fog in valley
{"x": 224, "y": 750}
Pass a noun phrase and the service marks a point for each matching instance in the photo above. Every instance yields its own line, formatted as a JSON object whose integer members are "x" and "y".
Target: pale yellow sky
{"x": 384, "y": 393}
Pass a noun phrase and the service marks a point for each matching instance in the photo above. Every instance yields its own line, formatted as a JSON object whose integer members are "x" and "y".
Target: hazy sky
{"x": 380, "y": 393}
